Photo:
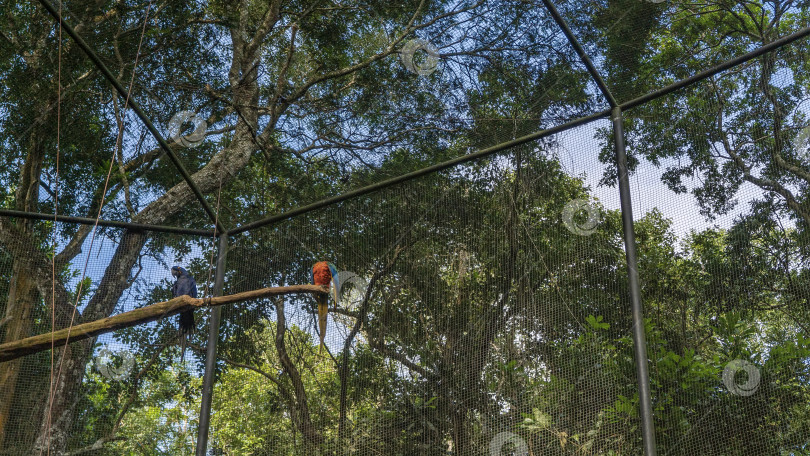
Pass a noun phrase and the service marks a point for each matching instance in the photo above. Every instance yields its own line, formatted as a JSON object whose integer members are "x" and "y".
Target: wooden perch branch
{"x": 27, "y": 346}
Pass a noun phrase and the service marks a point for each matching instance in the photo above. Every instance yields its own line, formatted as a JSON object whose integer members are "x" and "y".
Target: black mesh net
{"x": 644, "y": 45}
{"x": 481, "y": 308}
{"x": 723, "y": 261}
{"x": 113, "y": 378}
{"x": 456, "y": 317}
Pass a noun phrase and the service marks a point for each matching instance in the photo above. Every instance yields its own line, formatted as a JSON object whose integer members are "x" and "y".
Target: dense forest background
{"x": 488, "y": 309}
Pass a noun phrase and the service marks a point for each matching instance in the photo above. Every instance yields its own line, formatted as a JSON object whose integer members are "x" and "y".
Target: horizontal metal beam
{"x": 441, "y": 166}
{"x": 500, "y": 147}
{"x": 110, "y": 223}
{"x": 716, "y": 69}
{"x": 138, "y": 111}
{"x": 422, "y": 172}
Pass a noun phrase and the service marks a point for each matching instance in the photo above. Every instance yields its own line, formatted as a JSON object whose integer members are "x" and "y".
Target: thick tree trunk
{"x": 223, "y": 167}
{"x": 23, "y": 295}
{"x": 58, "y": 413}
{"x": 22, "y": 298}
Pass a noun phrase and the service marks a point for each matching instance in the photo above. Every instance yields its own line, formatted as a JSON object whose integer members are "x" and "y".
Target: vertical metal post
{"x": 211, "y": 350}
{"x": 639, "y": 339}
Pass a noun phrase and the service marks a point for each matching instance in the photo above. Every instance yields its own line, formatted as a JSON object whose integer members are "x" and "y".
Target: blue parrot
{"x": 184, "y": 285}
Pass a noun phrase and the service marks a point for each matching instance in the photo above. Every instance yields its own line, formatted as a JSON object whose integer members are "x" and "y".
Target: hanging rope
{"x": 55, "y": 210}
{"x": 214, "y": 237}
{"x": 52, "y": 389}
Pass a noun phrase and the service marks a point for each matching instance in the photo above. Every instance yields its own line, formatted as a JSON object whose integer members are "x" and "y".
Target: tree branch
{"x": 299, "y": 413}
{"x": 29, "y": 345}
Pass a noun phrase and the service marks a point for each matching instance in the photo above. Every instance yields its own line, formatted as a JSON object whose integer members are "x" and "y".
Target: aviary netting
{"x": 467, "y": 166}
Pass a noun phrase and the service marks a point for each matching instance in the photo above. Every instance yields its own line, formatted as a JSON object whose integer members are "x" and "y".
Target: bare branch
{"x": 300, "y": 416}
{"x": 27, "y": 346}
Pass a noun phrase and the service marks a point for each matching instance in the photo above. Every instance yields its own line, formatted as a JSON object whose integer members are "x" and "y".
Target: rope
{"x": 52, "y": 390}
{"x": 55, "y": 212}
{"x": 214, "y": 237}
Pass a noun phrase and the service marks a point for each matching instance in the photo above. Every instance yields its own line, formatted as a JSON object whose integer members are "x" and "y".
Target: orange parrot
{"x": 324, "y": 273}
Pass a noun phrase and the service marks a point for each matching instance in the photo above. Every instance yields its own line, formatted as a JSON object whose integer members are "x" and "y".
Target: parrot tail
{"x": 323, "y": 308}
{"x": 183, "y": 342}
{"x": 186, "y": 328}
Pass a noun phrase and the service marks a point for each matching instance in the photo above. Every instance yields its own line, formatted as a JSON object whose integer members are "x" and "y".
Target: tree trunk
{"x": 23, "y": 295}
{"x": 57, "y": 416}
{"x": 58, "y": 413}
{"x": 22, "y": 298}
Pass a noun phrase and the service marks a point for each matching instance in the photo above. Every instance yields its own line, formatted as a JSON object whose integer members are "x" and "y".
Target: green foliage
{"x": 485, "y": 313}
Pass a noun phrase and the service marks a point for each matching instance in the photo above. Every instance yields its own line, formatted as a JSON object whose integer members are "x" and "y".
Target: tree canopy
{"x": 486, "y": 308}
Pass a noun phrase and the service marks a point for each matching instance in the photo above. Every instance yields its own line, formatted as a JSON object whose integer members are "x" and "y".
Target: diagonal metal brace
{"x": 138, "y": 111}
{"x": 581, "y": 52}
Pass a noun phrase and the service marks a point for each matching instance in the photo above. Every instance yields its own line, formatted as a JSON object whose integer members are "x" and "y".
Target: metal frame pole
{"x": 731, "y": 63}
{"x": 639, "y": 339}
{"x": 597, "y": 78}
{"x": 110, "y": 223}
{"x": 211, "y": 351}
{"x": 136, "y": 108}
{"x": 419, "y": 173}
